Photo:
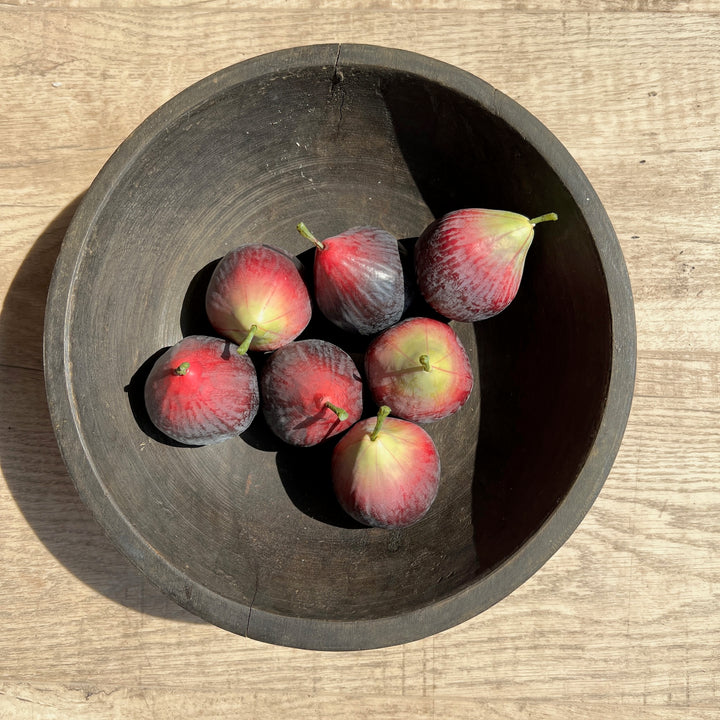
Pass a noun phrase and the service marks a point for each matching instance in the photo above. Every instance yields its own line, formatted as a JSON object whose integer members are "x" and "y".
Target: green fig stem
{"x": 383, "y": 412}
{"x": 245, "y": 344}
{"x": 303, "y": 230}
{"x": 182, "y": 369}
{"x": 425, "y": 362}
{"x": 342, "y": 414}
{"x": 544, "y": 218}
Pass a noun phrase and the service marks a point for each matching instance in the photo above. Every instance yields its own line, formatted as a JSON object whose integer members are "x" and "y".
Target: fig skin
{"x": 201, "y": 391}
{"x": 470, "y": 262}
{"x": 258, "y": 292}
{"x": 419, "y": 368}
{"x": 358, "y": 278}
{"x": 311, "y": 390}
{"x": 388, "y": 482}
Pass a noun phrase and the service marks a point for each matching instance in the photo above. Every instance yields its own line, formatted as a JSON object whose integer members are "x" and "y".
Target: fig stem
{"x": 245, "y": 344}
{"x": 383, "y": 412}
{"x": 425, "y": 362}
{"x": 182, "y": 368}
{"x": 342, "y": 414}
{"x": 303, "y": 230}
{"x": 544, "y": 218}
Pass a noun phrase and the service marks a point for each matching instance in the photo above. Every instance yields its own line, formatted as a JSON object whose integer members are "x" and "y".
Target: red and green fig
{"x": 419, "y": 368}
{"x": 469, "y": 263}
{"x": 201, "y": 391}
{"x": 358, "y": 275}
{"x": 311, "y": 390}
{"x": 385, "y": 471}
{"x": 257, "y": 298}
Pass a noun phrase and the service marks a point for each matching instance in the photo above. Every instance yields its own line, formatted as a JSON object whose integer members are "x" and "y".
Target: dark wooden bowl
{"x": 247, "y": 534}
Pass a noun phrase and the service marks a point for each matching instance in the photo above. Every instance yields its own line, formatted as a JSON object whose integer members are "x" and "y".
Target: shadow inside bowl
{"x": 310, "y": 489}
{"x": 193, "y": 317}
{"x": 543, "y": 363}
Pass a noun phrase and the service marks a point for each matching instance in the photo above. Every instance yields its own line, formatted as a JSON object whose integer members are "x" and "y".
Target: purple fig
{"x": 311, "y": 390}
{"x": 359, "y": 284}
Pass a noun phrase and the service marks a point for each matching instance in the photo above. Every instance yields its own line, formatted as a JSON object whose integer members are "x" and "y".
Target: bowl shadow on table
{"x": 46, "y": 496}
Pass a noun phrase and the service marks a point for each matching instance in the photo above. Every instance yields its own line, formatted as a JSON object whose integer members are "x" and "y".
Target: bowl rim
{"x": 318, "y": 633}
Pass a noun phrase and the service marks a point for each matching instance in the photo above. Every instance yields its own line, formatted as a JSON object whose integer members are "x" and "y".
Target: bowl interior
{"x": 243, "y": 158}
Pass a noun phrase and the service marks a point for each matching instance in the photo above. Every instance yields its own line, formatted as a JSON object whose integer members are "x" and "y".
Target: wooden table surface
{"x": 624, "y": 621}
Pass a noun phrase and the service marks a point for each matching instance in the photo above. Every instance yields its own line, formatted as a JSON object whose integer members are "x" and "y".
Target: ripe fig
{"x": 420, "y": 369}
{"x": 359, "y": 284}
{"x": 311, "y": 390}
{"x": 257, "y": 298}
{"x": 201, "y": 391}
{"x": 469, "y": 263}
{"x": 386, "y": 471}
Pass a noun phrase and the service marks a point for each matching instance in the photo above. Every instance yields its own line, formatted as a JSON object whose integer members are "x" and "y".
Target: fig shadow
{"x": 305, "y": 476}
{"x": 193, "y": 318}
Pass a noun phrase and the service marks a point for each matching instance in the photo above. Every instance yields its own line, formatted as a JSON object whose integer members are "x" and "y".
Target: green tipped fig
{"x": 386, "y": 471}
{"x": 469, "y": 263}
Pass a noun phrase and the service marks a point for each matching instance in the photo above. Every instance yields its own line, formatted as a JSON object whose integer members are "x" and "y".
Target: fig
{"x": 469, "y": 263}
{"x": 358, "y": 277}
{"x": 386, "y": 471}
{"x": 257, "y": 298}
{"x": 420, "y": 369}
{"x": 311, "y": 390}
{"x": 202, "y": 391}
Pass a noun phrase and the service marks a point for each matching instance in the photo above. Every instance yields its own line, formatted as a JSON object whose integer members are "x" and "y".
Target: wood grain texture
{"x": 623, "y": 621}
{"x": 678, "y": 6}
